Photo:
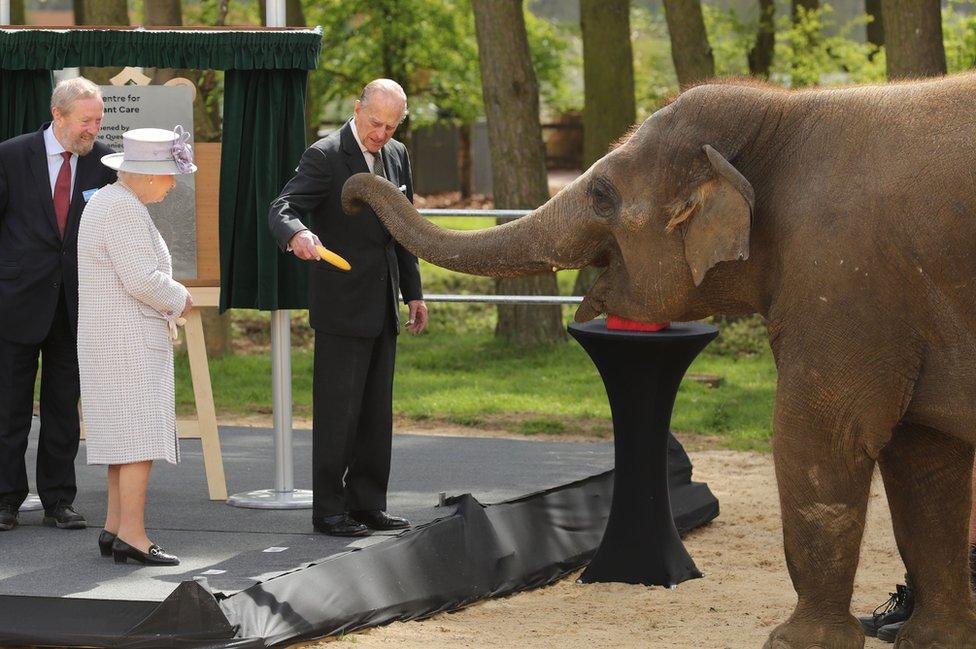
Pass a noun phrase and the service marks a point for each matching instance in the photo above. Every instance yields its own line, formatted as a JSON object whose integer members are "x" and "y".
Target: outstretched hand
{"x": 417, "y": 321}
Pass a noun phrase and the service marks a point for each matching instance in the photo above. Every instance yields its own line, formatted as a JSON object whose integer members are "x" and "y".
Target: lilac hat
{"x": 153, "y": 151}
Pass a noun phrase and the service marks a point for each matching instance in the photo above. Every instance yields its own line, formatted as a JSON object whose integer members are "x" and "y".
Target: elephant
{"x": 846, "y": 218}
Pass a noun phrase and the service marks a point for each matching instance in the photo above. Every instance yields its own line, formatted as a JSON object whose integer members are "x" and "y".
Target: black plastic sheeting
{"x": 472, "y": 553}
{"x": 188, "y": 618}
{"x": 475, "y": 553}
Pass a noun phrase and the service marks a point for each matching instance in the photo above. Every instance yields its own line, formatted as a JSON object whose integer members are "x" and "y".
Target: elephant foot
{"x": 844, "y": 633}
{"x": 938, "y": 632}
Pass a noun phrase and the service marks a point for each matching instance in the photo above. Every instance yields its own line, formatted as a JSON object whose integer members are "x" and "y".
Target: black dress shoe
{"x": 156, "y": 556}
{"x": 105, "y": 540}
{"x": 63, "y": 517}
{"x": 8, "y": 516}
{"x": 377, "y": 519}
{"x": 339, "y": 525}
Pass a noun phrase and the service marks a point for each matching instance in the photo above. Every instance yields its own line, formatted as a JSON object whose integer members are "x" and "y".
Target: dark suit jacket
{"x": 353, "y": 303}
{"x": 35, "y": 264}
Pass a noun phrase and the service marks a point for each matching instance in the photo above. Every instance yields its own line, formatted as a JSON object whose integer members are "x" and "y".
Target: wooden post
{"x": 204, "y": 426}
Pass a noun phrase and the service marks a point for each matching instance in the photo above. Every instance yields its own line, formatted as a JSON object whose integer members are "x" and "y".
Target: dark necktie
{"x": 378, "y": 165}
{"x": 62, "y": 192}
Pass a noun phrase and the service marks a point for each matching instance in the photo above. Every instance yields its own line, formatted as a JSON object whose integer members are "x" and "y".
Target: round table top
{"x": 598, "y": 327}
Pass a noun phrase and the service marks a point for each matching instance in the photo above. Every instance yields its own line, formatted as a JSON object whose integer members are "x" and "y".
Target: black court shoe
{"x": 156, "y": 556}
{"x": 105, "y": 543}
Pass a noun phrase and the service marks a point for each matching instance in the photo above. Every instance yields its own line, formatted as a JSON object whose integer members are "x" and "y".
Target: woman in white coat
{"x": 129, "y": 306}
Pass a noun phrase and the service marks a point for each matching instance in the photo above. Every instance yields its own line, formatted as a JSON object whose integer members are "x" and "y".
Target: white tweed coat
{"x": 126, "y": 294}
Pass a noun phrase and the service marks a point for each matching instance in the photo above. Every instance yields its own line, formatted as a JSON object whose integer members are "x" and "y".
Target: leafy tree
{"x": 427, "y": 46}
{"x": 806, "y": 56}
{"x": 959, "y": 36}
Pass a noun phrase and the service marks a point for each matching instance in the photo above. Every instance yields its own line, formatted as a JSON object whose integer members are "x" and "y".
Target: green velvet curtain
{"x": 263, "y": 134}
{"x": 25, "y": 101}
{"x": 264, "y": 137}
{"x": 27, "y": 49}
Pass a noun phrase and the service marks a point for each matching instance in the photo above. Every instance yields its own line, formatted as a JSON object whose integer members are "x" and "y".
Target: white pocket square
{"x": 403, "y": 188}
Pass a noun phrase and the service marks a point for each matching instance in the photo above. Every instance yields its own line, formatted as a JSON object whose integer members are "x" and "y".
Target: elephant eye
{"x": 604, "y": 196}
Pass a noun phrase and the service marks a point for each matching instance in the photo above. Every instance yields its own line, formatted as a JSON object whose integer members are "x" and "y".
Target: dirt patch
{"x": 745, "y": 593}
{"x": 503, "y": 426}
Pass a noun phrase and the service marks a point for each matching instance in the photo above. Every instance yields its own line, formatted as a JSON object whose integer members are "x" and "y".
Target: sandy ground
{"x": 745, "y": 593}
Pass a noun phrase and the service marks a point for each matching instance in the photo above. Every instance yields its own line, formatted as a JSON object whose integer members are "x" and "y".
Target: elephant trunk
{"x": 536, "y": 243}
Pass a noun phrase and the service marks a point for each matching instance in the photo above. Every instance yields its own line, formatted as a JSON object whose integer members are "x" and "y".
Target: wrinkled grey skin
{"x": 847, "y": 219}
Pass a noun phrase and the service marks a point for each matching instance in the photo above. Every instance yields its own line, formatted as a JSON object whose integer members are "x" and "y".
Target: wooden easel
{"x": 204, "y": 425}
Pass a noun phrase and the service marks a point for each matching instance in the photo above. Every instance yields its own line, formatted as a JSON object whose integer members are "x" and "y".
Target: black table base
{"x": 641, "y": 373}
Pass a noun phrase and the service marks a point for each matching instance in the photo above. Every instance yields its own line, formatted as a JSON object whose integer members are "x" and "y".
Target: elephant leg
{"x": 927, "y": 477}
{"x": 823, "y": 491}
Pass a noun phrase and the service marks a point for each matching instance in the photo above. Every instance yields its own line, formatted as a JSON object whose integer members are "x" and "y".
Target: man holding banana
{"x": 353, "y": 309}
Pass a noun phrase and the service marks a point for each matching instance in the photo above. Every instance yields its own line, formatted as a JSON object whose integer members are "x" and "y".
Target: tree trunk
{"x": 105, "y": 13}
{"x": 913, "y": 38}
{"x": 608, "y": 81}
{"x": 17, "y": 14}
{"x": 464, "y": 159}
{"x": 690, "y": 51}
{"x": 875, "y": 28}
{"x": 518, "y": 169}
{"x": 162, "y": 13}
{"x": 761, "y": 53}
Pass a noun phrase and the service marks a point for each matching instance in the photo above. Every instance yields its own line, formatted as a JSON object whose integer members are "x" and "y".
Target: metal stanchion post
{"x": 31, "y": 504}
{"x": 284, "y": 495}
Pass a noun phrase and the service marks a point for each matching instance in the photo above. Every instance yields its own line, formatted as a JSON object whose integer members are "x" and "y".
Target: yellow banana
{"x": 332, "y": 258}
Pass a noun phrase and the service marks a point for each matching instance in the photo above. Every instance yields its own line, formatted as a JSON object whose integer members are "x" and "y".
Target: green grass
{"x": 472, "y": 379}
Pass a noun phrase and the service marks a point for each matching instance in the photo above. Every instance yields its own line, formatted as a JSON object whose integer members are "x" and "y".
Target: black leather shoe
{"x": 105, "y": 540}
{"x": 63, "y": 517}
{"x": 339, "y": 525}
{"x": 8, "y": 516}
{"x": 896, "y": 610}
{"x": 889, "y": 632}
{"x": 377, "y": 519}
{"x": 122, "y": 551}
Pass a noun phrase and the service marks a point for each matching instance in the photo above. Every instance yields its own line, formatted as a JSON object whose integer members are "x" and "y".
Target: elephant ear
{"x": 715, "y": 220}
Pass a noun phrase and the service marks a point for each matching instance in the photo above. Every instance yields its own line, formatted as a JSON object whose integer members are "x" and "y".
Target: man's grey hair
{"x": 70, "y": 90}
{"x": 387, "y": 87}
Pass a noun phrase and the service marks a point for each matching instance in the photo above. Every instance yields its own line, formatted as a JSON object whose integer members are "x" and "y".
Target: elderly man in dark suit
{"x": 354, "y": 313}
{"x": 45, "y": 180}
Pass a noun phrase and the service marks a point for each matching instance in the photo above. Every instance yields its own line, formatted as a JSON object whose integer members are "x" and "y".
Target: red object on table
{"x": 618, "y": 323}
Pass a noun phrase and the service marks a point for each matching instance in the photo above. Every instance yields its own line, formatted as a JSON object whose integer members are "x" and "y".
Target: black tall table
{"x": 641, "y": 372}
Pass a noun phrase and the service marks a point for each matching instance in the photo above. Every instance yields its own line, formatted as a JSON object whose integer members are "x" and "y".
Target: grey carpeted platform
{"x": 236, "y": 548}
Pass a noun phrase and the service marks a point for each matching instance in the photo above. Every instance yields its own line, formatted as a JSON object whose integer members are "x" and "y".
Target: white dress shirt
{"x": 369, "y": 157}
{"x": 54, "y": 160}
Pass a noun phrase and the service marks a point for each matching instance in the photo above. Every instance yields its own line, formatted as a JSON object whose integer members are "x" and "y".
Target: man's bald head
{"x": 379, "y": 111}
{"x": 387, "y": 91}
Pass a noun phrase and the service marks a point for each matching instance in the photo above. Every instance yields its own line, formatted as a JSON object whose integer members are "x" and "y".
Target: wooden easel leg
{"x": 206, "y": 414}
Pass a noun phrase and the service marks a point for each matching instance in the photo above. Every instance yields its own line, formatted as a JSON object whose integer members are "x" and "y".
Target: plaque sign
{"x": 129, "y": 107}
